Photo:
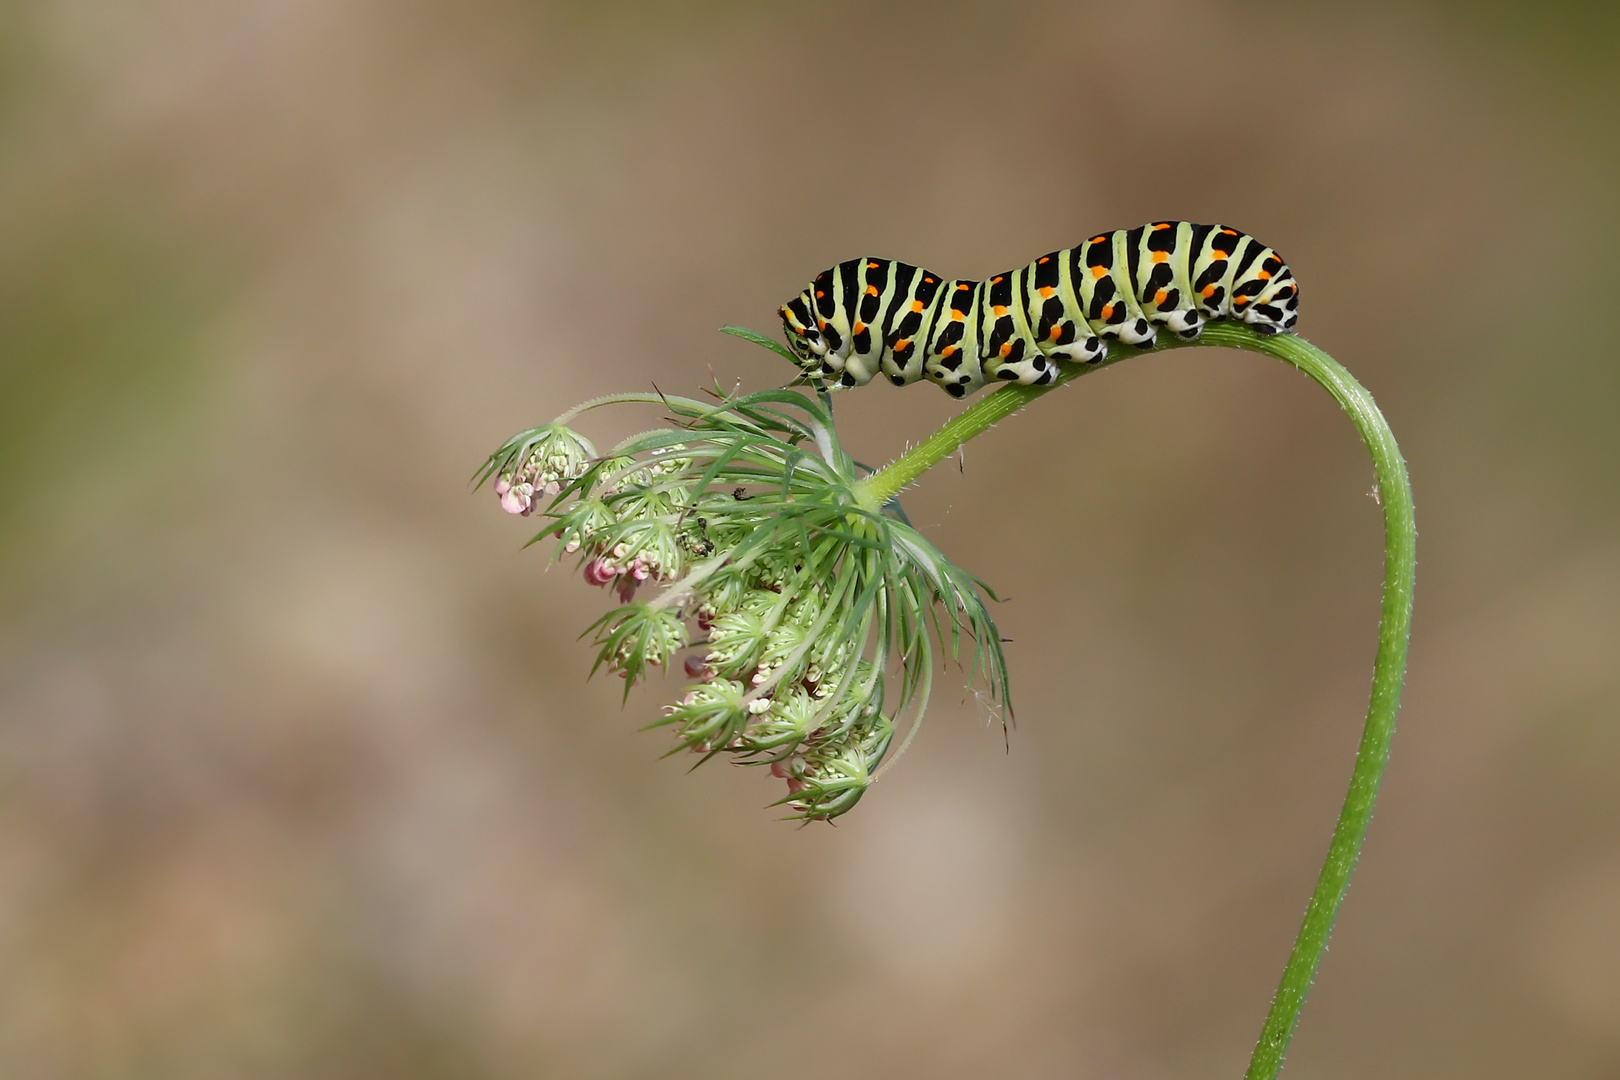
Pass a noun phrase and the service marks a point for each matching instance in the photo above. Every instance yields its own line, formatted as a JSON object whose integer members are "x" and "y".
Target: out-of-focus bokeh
{"x": 300, "y": 771}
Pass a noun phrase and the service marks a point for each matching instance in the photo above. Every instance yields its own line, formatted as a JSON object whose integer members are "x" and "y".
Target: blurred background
{"x": 300, "y": 771}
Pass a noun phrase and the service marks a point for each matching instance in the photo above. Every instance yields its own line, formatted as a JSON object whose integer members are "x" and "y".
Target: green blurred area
{"x": 99, "y": 367}
{"x": 300, "y": 771}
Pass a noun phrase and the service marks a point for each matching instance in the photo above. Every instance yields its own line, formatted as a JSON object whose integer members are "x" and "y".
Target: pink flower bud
{"x": 519, "y": 499}
{"x": 600, "y": 572}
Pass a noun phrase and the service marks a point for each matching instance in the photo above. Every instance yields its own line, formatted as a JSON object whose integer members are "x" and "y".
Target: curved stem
{"x": 1389, "y": 667}
{"x": 1389, "y": 670}
{"x": 876, "y": 490}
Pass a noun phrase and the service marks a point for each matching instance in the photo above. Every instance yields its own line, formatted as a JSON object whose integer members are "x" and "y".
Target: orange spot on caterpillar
{"x": 928, "y": 281}
{"x": 903, "y": 343}
{"x": 1057, "y": 332}
{"x": 962, "y": 288}
{"x": 1160, "y": 256}
{"x": 1001, "y": 309}
{"x": 1239, "y": 301}
{"x": 1108, "y": 311}
{"x": 1046, "y": 292}
{"x": 1099, "y": 271}
{"x": 1161, "y": 225}
{"x": 858, "y": 327}
{"x": 1222, "y": 255}
{"x": 1006, "y": 349}
{"x": 917, "y": 306}
{"x": 949, "y": 350}
{"x": 1264, "y": 275}
{"x": 958, "y": 316}
{"x": 1044, "y": 259}
{"x": 1158, "y": 297}
{"x": 1099, "y": 239}
{"x": 1209, "y": 291}
{"x": 819, "y": 294}
{"x": 871, "y": 290}
{"x": 871, "y": 266}
{"x": 1229, "y": 232}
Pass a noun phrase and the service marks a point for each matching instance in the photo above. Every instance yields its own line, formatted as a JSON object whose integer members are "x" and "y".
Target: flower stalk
{"x": 1394, "y": 628}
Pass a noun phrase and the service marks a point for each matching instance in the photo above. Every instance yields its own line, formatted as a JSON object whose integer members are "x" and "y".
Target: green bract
{"x": 815, "y": 615}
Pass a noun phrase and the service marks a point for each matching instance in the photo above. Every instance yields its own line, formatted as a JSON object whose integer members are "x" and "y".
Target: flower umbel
{"x": 537, "y": 463}
{"x": 815, "y": 616}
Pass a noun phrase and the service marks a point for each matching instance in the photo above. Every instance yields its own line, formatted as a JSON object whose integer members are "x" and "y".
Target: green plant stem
{"x": 1389, "y": 667}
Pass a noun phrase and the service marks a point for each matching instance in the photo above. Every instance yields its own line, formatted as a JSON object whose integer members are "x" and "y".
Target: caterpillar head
{"x": 799, "y": 326}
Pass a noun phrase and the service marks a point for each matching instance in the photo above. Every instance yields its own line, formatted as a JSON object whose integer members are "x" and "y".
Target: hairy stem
{"x": 876, "y": 490}
{"x": 1389, "y": 667}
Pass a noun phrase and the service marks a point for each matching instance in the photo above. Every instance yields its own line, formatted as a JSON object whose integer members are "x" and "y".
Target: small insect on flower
{"x": 803, "y": 602}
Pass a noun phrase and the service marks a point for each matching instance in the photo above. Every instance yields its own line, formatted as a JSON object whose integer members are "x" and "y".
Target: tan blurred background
{"x": 300, "y": 773}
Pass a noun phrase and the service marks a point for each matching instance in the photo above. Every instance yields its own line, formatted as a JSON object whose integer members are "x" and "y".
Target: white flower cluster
{"x": 556, "y": 457}
{"x": 779, "y": 683}
{"x": 783, "y": 686}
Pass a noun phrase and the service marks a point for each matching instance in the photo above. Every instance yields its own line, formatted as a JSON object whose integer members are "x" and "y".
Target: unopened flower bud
{"x": 638, "y": 635}
{"x": 518, "y": 499}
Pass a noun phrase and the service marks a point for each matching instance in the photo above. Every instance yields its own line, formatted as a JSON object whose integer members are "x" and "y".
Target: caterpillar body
{"x": 869, "y": 315}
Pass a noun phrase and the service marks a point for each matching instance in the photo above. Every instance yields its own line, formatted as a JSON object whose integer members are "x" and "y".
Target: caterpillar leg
{"x": 1060, "y": 338}
{"x": 1075, "y": 348}
{"x": 1032, "y": 370}
{"x": 1186, "y": 324}
{"x": 1135, "y": 331}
